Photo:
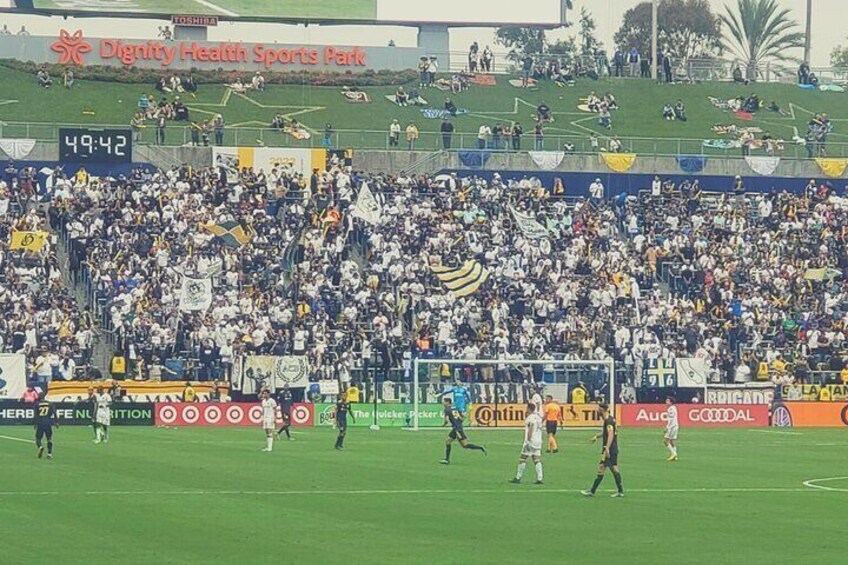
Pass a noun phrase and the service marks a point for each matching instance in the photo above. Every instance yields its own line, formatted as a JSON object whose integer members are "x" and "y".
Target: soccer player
{"x": 269, "y": 418}
{"x": 553, "y": 418}
{"x": 609, "y": 458}
{"x": 342, "y": 411}
{"x": 45, "y": 414}
{"x": 532, "y": 445}
{"x": 92, "y": 400}
{"x": 454, "y": 418}
{"x": 103, "y": 415}
{"x": 461, "y": 398}
{"x": 536, "y": 397}
{"x": 671, "y": 428}
{"x": 285, "y": 403}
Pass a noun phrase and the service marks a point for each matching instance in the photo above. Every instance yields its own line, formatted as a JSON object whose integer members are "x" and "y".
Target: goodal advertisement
{"x": 513, "y": 415}
{"x": 695, "y": 415}
{"x": 388, "y": 415}
{"x": 74, "y": 414}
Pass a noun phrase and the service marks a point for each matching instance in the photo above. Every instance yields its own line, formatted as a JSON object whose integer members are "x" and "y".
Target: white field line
{"x": 218, "y": 9}
{"x": 782, "y": 432}
{"x": 10, "y": 438}
{"x": 396, "y": 492}
{"x": 814, "y": 484}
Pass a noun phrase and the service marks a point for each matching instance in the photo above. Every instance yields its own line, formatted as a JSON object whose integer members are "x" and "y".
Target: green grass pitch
{"x": 185, "y": 496}
{"x": 322, "y": 9}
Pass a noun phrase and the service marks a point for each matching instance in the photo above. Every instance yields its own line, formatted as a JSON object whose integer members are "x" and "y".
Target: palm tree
{"x": 760, "y": 31}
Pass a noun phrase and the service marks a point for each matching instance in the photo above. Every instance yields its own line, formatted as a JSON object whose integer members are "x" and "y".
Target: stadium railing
{"x": 179, "y": 135}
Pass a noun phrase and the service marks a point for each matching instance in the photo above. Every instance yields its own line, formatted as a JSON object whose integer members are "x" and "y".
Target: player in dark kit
{"x": 454, "y": 418}
{"x": 284, "y": 400}
{"x": 609, "y": 455}
{"x": 342, "y": 412}
{"x": 45, "y": 414}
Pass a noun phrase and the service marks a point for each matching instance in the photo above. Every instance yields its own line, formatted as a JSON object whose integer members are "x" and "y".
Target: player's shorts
{"x": 528, "y": 450}
{"x": 269, "y": 425}
{"x": 458, "y": 433}
{"x": 671, "y": 433}
{"x": 610, "y": 461}
{"x": 44, "y": 431}
{"x": 551, "y": 427}
{"x": 286, "y": 415}
{"x": 342, "y": 425}
{"x": 104, "y": 419}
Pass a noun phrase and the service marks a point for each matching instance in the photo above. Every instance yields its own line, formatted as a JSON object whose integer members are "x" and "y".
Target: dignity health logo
{"x": 71, "y": 48}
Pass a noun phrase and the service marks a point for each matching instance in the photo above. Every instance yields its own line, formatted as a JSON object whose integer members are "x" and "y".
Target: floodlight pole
{"x": 808, "y": 36}
{"x": 654, "y": 32}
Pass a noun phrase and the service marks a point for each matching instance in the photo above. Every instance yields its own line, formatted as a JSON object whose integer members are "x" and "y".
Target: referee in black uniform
{"x": 45, "y": 415}
{"x": 609, "y": 455}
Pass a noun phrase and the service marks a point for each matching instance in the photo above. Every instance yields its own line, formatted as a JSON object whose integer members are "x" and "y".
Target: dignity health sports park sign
{"x": 74, "y": 48}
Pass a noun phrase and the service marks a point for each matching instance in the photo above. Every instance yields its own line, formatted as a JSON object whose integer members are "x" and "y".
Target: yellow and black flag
{"x": 28, "y": 240}
{"x": 464, "y": 280}
{"x": 232, "y": 234}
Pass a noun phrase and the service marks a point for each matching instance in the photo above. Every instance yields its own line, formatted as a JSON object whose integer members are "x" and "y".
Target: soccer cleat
{"x": 617, "y": 495}
{"x": 483, "y": 449}
{"x": 514, "y": 481}
{"x": 50, "y": 456}
{"x": 539, "y": 482}
{"x": 547, "y": 451}
{"x": 445, "y": 461}
{"x": 672, "y": 458}
{"x": 587, "y": 493}
{"x": 266, "y": 450}
{"x": 95, "y": 441}
{"x": 556, "y": 450}
{"x": 40, "y": 452}
{"x": 291, "y": 439}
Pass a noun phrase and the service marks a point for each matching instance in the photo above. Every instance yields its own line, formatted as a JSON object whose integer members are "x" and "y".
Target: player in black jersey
{"x": 609, "y": 455}
{"x": 284, "y": 401}
{"x": 45, "y": 415}
{"x": 342, "y": 412}
{"x": 454, "y": 418}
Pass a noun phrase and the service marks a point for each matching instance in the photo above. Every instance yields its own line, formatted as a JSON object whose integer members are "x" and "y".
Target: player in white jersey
{"x": 269, "y": 418}
{"x": 536, "y": 399}
{"x": 671, "y": 428}
{"x": 532, "y": 445}
{"x": 102, "y": 415}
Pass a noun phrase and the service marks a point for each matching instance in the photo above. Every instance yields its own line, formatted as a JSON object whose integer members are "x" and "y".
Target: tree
{"x": 589, "y": 44}
{"x": 839, "y": 56}
{"x": 686, "y": 29}
{"x": 524, "y": 41}
{"x": 760, "y": 31}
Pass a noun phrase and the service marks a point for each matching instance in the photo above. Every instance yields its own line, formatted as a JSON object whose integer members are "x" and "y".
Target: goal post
{"x": 499, "y": 389}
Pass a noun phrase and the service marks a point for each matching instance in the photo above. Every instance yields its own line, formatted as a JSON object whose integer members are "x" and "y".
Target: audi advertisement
{"x": 187, "y": 414}
{"x": 695, "y": 415}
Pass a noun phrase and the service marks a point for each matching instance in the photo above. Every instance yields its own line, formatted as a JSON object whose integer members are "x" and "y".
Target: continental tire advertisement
{"x": 13, "y": 412}
{"x": 388, "y": 415}
{"x": 809, "y": 415}
{"x": 513, "y": 415}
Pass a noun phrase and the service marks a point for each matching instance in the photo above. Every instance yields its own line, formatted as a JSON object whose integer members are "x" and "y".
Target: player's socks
{"x": 674, "y": 451}
{"x": 520, "y": 472}
{"x": 447, "y": 452}
{"x": 474, "y": 447}
{"x": 49, "y": 449}
{"x": 596, "y": 484}
{"x": 288, "y": 433}
{"x": 539, "y": 473}
{"x": 269, "y": 443}
{"x": 40, "y": 451}
{"x": 670, "y": 449}
{"x": 617, "y": 477}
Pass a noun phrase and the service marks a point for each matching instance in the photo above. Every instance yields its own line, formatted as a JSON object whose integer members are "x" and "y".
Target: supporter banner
{"x": 691, "y": 164}
{"x": 513, "y": 415}
{"x": 196, "y": 295}
{"x": 273, "y": 372}
{"x": 814, "y": 392}
{"x": 684, "y": 372}
{"x": 17, "y": 149}
{"x": 367, "y": 208}
{"x": 77, "y": 413}
{"x": 832, "y": 167}
{"x": 292, "y": 160}
{"x": 462, "y": 281}
{"x": 619, "y": 162}
{"x": 739, "y": 395}
{"x": 762, "y": 165}
{"x": 694, "y": 415}
{"x": 547, "y": 160}
{"x": 134, "y": 391}
{"x": 12, "y": 375}
{"x": 388, "y": 415}
{"x": 474, "y": 159}
{"x": 528, "y": 225}
{"x": 809, "y": 414}
{"x": 224, "y": 415}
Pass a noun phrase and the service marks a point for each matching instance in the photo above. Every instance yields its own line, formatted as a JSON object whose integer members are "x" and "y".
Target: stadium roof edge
{"x": 268, "y": 19}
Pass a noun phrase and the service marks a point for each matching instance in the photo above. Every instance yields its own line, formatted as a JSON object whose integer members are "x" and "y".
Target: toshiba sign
{"x": 695, "y": 415}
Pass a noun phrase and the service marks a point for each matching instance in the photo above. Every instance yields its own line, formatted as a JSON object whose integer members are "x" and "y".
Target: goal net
{"x": 495, "y": 393}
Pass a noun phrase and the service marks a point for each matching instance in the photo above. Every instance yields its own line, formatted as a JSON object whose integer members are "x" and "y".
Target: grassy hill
{"x": 100, "y": 103}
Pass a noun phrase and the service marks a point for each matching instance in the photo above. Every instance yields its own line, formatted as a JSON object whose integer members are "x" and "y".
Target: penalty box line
{"x": 400, "y": 492}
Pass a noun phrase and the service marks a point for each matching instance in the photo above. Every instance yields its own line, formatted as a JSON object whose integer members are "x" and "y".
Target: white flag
{"x": 196, "y": 295}
{"x": 529, "y": 226}
{"x": 367, "y": 207}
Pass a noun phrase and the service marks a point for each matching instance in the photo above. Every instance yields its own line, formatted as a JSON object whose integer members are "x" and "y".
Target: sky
{"x": 829, "y": 27}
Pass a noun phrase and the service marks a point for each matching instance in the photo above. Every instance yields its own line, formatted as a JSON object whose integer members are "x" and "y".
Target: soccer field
{"x": 210, "y": 496}
{"x": 324, "y": 9}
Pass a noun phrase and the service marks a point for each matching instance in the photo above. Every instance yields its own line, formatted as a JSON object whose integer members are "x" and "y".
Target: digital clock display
{"x": 95, "y": 145}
